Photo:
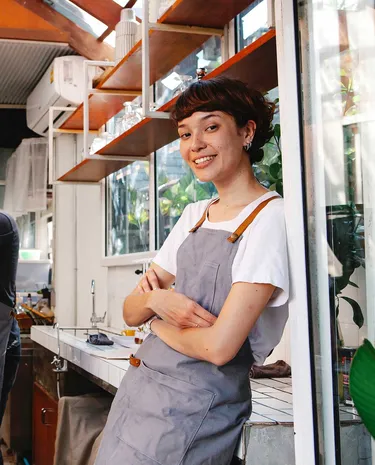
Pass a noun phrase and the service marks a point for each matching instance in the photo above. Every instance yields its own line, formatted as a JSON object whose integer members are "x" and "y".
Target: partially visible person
{"x": 10, "y": 341}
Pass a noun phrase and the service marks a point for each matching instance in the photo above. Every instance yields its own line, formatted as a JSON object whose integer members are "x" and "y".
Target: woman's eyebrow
{"x": 211, "y": 115}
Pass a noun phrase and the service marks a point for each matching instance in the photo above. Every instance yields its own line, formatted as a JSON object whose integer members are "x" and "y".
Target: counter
{"x": 75, "y": 351}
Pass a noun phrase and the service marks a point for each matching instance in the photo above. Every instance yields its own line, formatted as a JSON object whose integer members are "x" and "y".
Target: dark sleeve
{"x": 9, "y": 249}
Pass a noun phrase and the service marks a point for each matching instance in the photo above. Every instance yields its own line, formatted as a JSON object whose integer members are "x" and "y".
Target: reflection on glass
{"x": 128, "y": 210}
{"x": 26, "y": 230}
{"x": 252, "y": 23}
{"x": 2, "y": 193}
{"x": 337, "y": 46}
{"x": 176, "y": 188}
{"x": 208, "y": 56}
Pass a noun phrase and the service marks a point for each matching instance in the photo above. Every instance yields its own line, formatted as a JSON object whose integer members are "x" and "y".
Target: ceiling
{"x": 23, "y": 63}
{"x": 33, "y": 33}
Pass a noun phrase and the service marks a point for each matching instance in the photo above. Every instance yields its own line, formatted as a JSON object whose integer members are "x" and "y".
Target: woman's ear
{"x": 250, "y": 130}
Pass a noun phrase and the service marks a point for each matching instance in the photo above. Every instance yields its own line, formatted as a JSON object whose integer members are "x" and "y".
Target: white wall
{"x": 77, "y": 242}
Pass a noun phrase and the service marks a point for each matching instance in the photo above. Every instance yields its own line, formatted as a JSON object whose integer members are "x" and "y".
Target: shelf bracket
{"x": 146, "y": 68}
{"x": 130, "y": 93}
{"x": 87, "y": 90}
{"x": 129, "y": 158}
{"x": 51, "y": 132}
{"x": 186, "y": 29}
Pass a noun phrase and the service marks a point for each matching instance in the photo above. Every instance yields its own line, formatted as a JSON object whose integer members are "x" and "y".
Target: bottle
{"x": 126, "y": 32}
{"x": 29, "y": 301}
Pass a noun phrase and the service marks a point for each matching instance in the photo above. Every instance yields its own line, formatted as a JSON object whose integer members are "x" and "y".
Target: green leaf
{"x": 132, "y": 220}
{"x": 143, "y": 217}
{"x": 353, "y": 284}
{"x": 357, "y": 312}
{"x": 275, "y": 170}
{"x": 279, "y": 187}
{"x": 277, "y": 130}
{"x": 362, "y": 384}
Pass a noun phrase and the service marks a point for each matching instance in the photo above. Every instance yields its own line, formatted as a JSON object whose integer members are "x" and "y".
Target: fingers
{"x": 203, "y": 315}
{"x": 149, "y": 282}
{"x": 198, "y": 322}
{"x": 153, "y": 279}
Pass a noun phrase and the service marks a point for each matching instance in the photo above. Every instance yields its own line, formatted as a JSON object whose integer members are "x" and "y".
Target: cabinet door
{"x": 44, "y": 426}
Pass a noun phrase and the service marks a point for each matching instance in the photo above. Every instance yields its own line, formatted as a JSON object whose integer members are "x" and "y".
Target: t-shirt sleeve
{"x": 167, "y": 255}
{"x": 262, "y": 254}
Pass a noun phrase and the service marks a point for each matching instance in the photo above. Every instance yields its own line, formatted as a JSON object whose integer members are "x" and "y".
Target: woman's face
{"x": 212, "y": 145}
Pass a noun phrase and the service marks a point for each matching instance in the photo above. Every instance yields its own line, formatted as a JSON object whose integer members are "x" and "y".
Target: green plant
{"x": 362, "y": 384}
{"x": 269, "y": 170}
{"x": 345, "y": 237}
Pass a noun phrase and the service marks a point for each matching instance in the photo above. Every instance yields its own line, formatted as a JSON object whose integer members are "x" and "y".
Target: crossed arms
{"x": 216, "y": 340}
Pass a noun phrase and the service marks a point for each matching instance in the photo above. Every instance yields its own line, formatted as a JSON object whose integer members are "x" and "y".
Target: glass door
{"x": 334, "y": 62}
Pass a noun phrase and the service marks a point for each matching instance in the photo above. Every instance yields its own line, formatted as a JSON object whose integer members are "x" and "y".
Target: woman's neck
{"x": 241, "y": 189}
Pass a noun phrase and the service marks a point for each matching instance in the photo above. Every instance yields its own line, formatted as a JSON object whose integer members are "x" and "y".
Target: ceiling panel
{"x": 23, "y": 63}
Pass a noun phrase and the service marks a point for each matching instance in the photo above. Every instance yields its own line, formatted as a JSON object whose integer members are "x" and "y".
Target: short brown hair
{"x": 235, "y": 98}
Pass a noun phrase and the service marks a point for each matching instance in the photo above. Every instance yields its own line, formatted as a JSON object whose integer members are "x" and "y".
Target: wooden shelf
{"x": 167, "y": 49}
{"x": 255, "y": 64}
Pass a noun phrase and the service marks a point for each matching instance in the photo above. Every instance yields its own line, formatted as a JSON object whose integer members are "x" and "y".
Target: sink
{"x": 81, "y": 332}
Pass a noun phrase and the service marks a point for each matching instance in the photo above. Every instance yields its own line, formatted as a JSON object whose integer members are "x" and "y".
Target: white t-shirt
{"x": 261, "y": 258}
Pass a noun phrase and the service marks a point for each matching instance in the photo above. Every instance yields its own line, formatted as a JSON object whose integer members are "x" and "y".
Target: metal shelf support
{"x": 51, "y": 132}
{"x": 87, "y": 90}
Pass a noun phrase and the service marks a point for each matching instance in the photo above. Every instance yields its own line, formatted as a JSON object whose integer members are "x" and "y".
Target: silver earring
{"x": 247, "y": 146}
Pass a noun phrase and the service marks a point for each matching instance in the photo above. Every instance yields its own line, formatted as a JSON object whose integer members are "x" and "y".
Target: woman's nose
{"x": 197, "y": 143}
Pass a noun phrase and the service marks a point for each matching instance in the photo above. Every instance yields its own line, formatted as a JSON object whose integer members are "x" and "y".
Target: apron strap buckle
{"x": 134, "y": 362}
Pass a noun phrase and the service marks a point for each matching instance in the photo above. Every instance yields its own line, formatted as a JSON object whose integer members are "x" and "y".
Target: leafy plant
{"x": 345, "y": 237}
{"x": 362, "y": 384}
{"x": 269, "y": 170}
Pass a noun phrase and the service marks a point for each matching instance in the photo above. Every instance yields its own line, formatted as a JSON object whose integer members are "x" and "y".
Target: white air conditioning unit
{"x": 61, "y": 86}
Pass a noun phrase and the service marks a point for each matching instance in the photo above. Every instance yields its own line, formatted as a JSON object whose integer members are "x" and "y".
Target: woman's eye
{"x": 212, "y": 128}
{"x": 185, "y": 135}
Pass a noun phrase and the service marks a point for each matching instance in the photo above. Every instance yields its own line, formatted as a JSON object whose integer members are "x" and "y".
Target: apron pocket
{"x": 206, "y": 285}
{"x": 163, "y": 416}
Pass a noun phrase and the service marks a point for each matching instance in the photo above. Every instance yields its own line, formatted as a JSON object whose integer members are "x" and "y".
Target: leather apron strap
{"x": 242, "y": 227}
{"x": 203, "y": 217}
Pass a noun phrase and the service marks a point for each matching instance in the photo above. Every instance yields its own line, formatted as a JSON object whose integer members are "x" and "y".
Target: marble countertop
{"x": 77, "y": 351}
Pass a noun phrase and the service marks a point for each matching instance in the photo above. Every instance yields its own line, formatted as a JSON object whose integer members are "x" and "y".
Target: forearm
{"x": 137, "y": 309}
{"x": 197, "y": 343}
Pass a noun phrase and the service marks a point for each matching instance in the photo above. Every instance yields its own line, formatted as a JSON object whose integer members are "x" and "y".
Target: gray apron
{"x": 174, "y": 409}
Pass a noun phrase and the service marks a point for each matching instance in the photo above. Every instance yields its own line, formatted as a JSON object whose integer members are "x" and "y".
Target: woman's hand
{"x": 178, "y": 310}
{"x": 173, "y": 307}
{"x": 149, "y": 282}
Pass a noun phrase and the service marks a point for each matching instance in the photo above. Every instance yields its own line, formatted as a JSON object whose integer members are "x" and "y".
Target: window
{"x": 207, "y": 56}
{"x": 78, "y": 16}
{"x": 5, "y": 153}
{"x": 176, "y": 187}
{"x": 252, "y": 23}
{"x": 128, "y": 210}
{"x": 26, "y": 230}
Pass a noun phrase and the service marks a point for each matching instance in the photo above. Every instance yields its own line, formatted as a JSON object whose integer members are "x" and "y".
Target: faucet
{"x": 94, "y": 318}
{"x": 60, "y": 364}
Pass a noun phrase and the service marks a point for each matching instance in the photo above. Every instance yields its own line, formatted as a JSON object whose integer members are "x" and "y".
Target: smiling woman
{"x": 228, "y": 260}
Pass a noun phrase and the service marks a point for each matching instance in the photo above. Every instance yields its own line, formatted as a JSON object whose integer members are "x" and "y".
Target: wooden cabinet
{"x": 44, "y": 426}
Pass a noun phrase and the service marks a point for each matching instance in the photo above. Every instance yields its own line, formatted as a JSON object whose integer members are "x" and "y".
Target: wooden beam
{"x": 81, "y": 41}
{"x": 106, "y": 11}
{"x": 40, "y": 35}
